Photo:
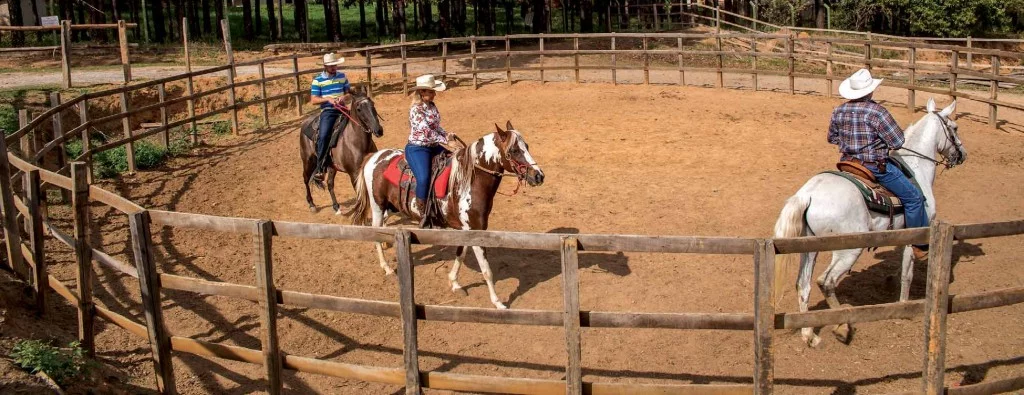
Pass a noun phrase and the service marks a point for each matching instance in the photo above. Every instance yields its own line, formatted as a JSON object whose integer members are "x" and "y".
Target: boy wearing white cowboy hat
{"x": 329, "y": 88}
{"x": 426, "y": 140}
{"x": 865, "y": 132}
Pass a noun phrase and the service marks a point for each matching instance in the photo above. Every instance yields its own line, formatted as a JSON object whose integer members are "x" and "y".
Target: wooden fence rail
{"x": 762, "y": 323}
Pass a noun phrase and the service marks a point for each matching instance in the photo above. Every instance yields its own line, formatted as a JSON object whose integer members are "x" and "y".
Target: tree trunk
{"x": 272, "y": 20}
{"x": 301, "y": 19}
{"x": 257, "y": 19}
{"x": 426, "y": 15}
{"x": 586, "y": 12}
{"x": 362, "y": 19}
{"x": 17, "y": 19}
{"x": 819, "y": 14}
{"x": 218, "y": 6}
{"x": 194, "y": 27}
{"x": 382, "y": 25}
{"x": 159, "y": 31}
{"x": 338, "y": 33}
{"x": 510, "y": 9}
{"x": 247, "y": 28}
{"x": 398, "y": 17}
{"x": 540, "y": 17}
{"x": 443, "y": 18}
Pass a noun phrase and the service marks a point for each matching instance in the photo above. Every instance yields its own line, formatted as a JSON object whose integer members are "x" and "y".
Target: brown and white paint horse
{"x": 477, "y": 171}
{"x": 347, "y": 156}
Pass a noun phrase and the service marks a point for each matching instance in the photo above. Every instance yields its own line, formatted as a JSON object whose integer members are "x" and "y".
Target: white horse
{"x": 829, "y": 204}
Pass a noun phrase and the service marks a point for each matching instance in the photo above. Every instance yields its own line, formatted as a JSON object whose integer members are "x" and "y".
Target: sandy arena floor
{"x": 657, "y": 160}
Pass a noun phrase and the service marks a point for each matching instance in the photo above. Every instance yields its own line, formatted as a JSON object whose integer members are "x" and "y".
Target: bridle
{"x": 951, "y": 138}
{"x": 355, "y": 104}
{"x": 519, "y": 169}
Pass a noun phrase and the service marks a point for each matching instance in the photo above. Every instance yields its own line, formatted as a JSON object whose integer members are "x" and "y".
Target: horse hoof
{"x": 844, "y": 333}
{"x": 460, "y": 291}
{"x": 813, "y": 342}
{"x": 312, "y": 209}
{"x": 337, "y": 211}
{"x": 500, "y": 306}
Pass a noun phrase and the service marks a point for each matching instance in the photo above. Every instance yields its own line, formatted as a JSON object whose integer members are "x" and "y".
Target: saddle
{"x": 311, "y": 129}
{"x": 877, "y": 197}
{"x": 399, "y": 174}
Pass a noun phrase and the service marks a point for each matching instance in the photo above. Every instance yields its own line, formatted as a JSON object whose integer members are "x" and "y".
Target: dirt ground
{"x": 653, "y": 160}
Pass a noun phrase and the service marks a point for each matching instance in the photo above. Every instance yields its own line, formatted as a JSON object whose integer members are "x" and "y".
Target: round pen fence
{"x": 482, "y": 60}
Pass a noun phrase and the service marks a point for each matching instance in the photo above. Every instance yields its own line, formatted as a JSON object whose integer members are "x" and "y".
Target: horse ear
{"x": 508, "y": 125}
{"x": 502, "y": 135}
{"x": 931, "y": 105}
{"x": 949, "y": 109}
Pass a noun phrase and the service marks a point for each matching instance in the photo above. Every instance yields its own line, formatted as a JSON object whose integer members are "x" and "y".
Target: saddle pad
{"x": 311, "y": 129}
{"x": 877, "y": 197}
{"x": 405, "y": 179}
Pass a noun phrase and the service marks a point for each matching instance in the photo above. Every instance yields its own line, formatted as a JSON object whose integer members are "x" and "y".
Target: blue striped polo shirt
{"x": 329, "y": 86}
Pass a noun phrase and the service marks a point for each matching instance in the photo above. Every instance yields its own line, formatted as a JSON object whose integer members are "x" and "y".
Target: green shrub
{"x": 222, "y": 128}
{"x": 62, "y": 366}
{"x": 8, "y": 119}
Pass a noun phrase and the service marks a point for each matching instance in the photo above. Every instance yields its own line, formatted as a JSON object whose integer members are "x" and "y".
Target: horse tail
{"x": 791, "y": 223}
{"x": 360, "y": 211}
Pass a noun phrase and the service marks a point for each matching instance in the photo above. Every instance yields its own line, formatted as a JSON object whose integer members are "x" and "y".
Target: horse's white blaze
{"x": 490, "y": 149}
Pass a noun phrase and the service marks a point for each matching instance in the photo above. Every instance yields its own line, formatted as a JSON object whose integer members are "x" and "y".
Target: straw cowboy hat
{"x": 332, "y": 59}
{"x": 858, "y": 85}
{"x": 428, "y": 82}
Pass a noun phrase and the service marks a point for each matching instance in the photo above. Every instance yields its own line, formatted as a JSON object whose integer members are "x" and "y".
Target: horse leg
{"x": 378, "y": 220}
{"x": 907, "y": 273}
{"x": 453, "y": 275}
{"x": 485, "y": 270}
{"x": 307, "y": 171}
{"x": 803, "y": 285}
{"x": 842, "y": 262}
{"x": 330, "y": 190}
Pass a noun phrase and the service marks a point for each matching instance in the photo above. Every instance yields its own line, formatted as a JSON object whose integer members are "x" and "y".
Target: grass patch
{"x": 113, "y": 162}
{"x": 63, "y": 366}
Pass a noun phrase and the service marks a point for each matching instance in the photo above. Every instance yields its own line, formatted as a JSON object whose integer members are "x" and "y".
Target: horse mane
{"x": 463, "y": 164}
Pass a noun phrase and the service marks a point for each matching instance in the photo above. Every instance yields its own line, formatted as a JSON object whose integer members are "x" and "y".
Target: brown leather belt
{"x": 879, "y": 165}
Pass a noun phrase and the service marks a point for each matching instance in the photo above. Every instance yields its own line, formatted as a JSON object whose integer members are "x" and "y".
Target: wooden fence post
{"x": 149, "y": 284}
{"x": 83, "y": 115}
{"x": 576, "y": 57}
{"x": 647, "y": 63}
{"x": 263, "y": 95}
{"x": 993, "y": 93}
{"x": 508, "y": 61}
{"x": 298, "y": 86}
{"x": 190, "y": 88}
{"x": 34, "y": 201}
{"x": 789, "y": 52}
{"x": 268, "y": 304}
{"x": 65, "y": 53}
{"x": 911, "y": 94}
{"x": 721, "y": 60}
{"x": 28, "y": 148}
{"x": 970, "y": 54}
{"x": 226, "y": 31}
{"x": 369, "y": 74}
{"x": 657, "y": 22}
{"x": 615, "y": 59}
{"x": 682, "y": 74}
{"x": 472, "y": 52}
{"x": 58, "y": 131}
{"x": 444, "y": 58}
{"x": 954, "y": 67}
{"x": 83, "y": 255}
{"x": 122, "y": 39}
{"x": 828, "y": 69}
{"x": 571, "y": 315}
{"x": 753, "y": 62}
{"x": 936, "y": 306}
{"x": 867, "y": 53}
{"x": 126, "y": 127}
{"x": 12, "y": 233}
{"x": 764, "y": 317}
{"x": 407, "y": 300}
{"x": 162, "y": 96}
{"x": 405, "y": 66}
{"x": 542, "y": 60}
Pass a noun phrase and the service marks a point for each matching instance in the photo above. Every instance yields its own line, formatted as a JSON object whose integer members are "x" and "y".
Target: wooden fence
{"x": 64, "y": 31}
{"x": 25, "y": 212}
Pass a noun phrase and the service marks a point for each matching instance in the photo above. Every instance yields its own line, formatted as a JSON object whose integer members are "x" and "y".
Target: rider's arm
{"x": 316, "y": 94}
{"x": 833, "y": 129}
{"x": 888, "y": 130}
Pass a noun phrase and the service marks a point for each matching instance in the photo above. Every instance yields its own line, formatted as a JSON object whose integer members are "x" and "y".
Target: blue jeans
{"x": 420, "y": 158}
{"x": 913, "y": 201}
{"x": 327, "y": 119}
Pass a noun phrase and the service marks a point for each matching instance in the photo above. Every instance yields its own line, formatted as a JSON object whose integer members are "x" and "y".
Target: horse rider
{"x": 427, "y": 139}
{"x": 330, "y": 89}
{"x": 865, "y": 133}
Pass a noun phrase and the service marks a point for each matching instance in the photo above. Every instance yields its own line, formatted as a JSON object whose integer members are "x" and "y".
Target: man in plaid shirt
{"x": 865, "y": 132}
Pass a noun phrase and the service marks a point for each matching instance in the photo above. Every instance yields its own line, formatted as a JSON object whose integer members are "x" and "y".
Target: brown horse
{"x": 476, "y": 173}
{"x": 348, "y": 154}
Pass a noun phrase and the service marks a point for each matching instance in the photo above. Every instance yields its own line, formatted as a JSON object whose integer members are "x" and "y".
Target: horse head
{"x": 515, "y": 155}
{"x": 365, "y": 112}
{"x": 948, "y": 142}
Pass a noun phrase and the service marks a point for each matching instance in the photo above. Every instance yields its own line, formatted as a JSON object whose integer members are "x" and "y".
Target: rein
{"x": 346, "y": 112}
{"x": 944, "y": 162}
{"x": 520, "y": 170}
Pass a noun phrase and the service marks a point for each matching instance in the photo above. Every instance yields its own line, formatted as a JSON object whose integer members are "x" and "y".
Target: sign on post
{"x": 50, "y": 21}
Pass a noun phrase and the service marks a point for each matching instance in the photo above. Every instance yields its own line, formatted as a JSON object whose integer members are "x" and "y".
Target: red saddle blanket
{"x": 399, "y": 174}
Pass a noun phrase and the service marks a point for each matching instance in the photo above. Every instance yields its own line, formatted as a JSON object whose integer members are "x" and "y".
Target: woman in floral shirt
{"x": 426, "y": 137}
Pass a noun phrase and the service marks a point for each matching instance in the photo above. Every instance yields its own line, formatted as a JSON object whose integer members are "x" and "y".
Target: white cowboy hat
{"x": 858, "y": 85}
{"x": 332, "y": 59}
{"x": 428, "y": 82}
